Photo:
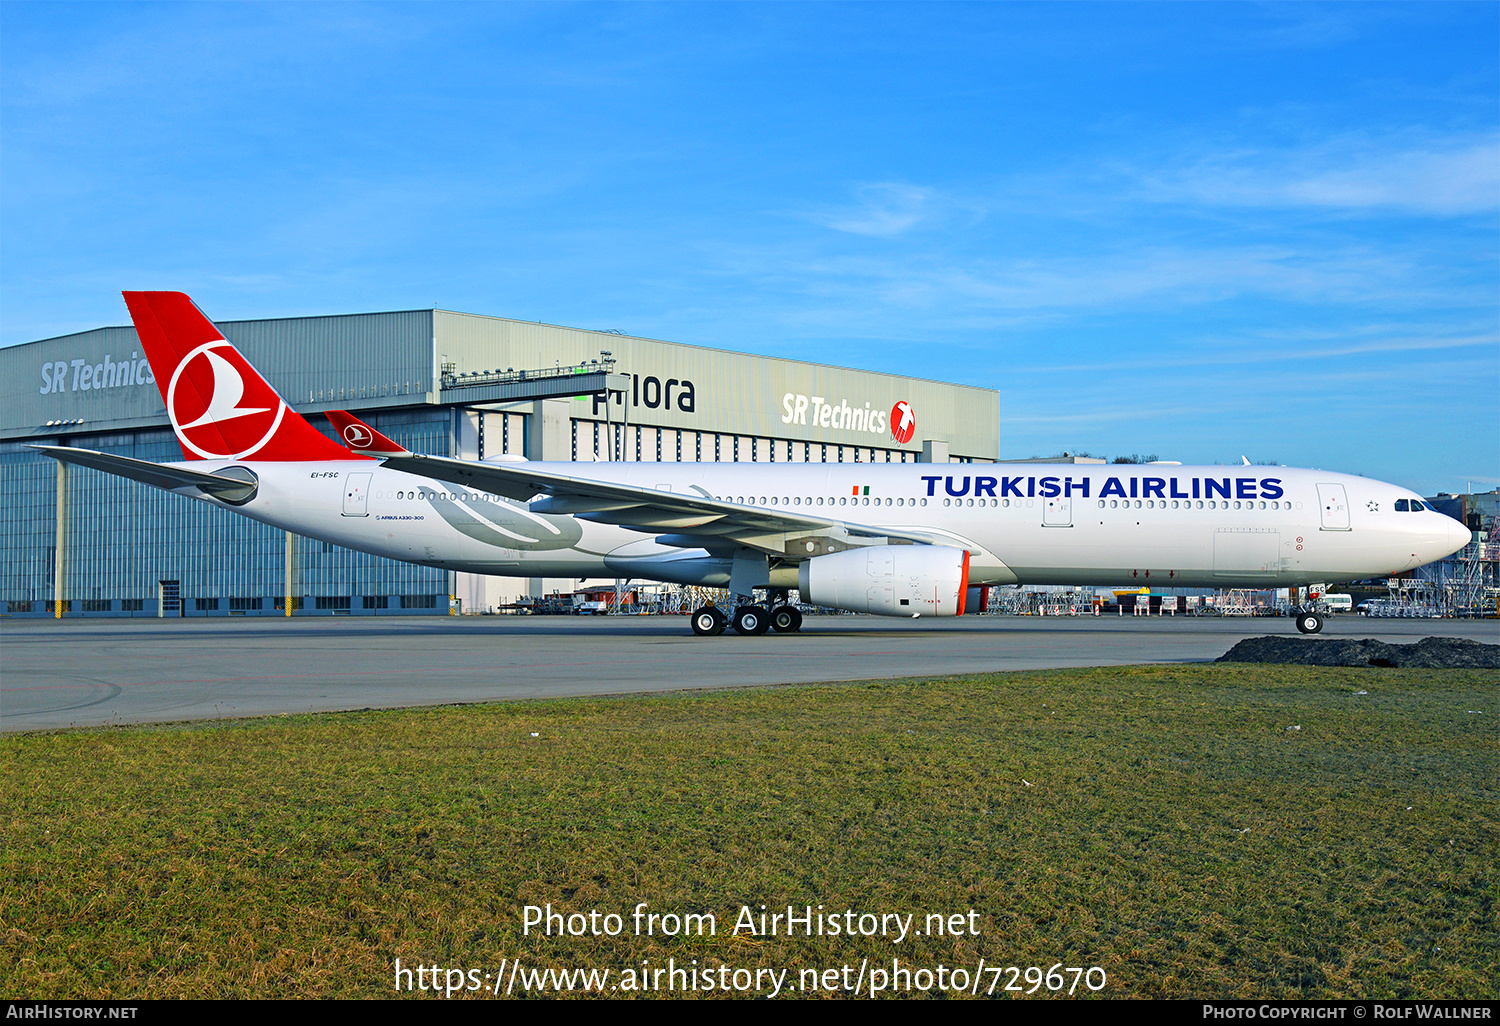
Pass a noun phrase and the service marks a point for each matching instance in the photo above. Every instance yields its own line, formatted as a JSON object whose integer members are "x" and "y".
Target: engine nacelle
{"x": 890, "y": 580}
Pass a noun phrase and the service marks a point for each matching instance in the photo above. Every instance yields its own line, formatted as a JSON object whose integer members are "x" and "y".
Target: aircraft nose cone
{"x": 1458, "y": 536}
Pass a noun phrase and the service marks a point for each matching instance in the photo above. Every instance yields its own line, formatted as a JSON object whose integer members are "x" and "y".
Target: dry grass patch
{"x": 1165, "y": 823}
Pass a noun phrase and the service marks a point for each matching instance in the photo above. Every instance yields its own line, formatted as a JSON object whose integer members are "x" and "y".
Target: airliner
{"x": 905, "y": 540}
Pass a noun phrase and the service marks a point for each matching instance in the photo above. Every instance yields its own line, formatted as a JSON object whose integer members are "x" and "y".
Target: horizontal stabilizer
{"x": 233, "y": 490}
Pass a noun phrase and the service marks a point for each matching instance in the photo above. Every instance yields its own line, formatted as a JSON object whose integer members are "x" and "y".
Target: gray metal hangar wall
{"x": 436, "y": 381}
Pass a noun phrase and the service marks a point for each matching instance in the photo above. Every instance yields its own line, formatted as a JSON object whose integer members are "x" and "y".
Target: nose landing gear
{"x": 1309, "y": 622}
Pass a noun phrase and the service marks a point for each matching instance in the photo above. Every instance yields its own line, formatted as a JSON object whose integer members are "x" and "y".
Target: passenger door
{"x": 1057, "y": 512}
{"x": 1333, "y": 506}
{"x": 357, "y": 495}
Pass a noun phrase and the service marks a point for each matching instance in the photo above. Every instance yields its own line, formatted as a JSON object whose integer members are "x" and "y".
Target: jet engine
{"x": 890, "y": 580}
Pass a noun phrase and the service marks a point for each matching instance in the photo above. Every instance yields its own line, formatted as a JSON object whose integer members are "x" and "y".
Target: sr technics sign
{"x": 817, "y": 411}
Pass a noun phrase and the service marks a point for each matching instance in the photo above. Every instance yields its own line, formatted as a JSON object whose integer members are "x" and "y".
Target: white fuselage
{"x": 1216, "y": 526}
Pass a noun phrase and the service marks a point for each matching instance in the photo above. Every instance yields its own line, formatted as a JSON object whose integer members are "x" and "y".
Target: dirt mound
{"x": 1429, "y": 653}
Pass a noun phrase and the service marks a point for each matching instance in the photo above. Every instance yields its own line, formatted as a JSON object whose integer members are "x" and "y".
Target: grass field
{"x": 1193, "y": 831}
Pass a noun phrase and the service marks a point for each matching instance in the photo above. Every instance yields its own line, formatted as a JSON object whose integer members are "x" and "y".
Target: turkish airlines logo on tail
{"x": 903, "y": 422}
{"x": 357, "y": 435}
{"x": 223, "y": 410}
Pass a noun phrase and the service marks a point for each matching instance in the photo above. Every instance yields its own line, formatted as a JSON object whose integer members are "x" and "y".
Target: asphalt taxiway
{"x": 91, "y": 672}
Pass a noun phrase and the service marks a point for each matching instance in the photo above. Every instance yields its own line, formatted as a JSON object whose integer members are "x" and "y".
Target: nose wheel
{"x": 1310, "y": 623}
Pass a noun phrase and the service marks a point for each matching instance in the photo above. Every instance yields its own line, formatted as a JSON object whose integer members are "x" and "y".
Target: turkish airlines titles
{"x": 1125, "y": 488}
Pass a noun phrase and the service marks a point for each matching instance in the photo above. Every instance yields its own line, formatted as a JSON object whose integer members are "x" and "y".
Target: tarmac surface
{"x": 92, "y": 672}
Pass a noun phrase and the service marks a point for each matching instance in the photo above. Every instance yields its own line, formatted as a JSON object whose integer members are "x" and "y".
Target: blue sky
{"x": 1199, "y": 230}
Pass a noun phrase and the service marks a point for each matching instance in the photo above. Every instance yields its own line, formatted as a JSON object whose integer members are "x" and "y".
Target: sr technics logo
{"x": 209, "y": 407}
{"x": 903, "y": 422}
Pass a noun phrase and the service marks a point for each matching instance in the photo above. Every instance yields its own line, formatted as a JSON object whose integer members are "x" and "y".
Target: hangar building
{"x": 436, "y": 381}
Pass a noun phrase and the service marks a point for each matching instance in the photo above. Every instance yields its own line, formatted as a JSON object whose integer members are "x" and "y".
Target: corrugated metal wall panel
{"x": 730, "y": 392}
{"x": 385, "y": 361}
{"x": 354, "y": 360}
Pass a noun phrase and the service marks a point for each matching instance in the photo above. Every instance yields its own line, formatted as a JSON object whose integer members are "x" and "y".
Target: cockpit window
{"x": 1400, "y": 505}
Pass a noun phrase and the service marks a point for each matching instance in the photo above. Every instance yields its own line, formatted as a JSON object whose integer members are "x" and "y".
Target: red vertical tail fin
{"x": 220, "y": 407}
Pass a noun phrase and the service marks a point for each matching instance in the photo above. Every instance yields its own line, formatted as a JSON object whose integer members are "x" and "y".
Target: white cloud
{"x": 1042, "y": 285}
{"x": 882, "y": 209}
{"x": 1435, "y": 177}
{"x": 1278, "y": 353}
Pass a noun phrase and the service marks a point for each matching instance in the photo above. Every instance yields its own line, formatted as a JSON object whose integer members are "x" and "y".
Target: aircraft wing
{"x": 681, "y": 518}
{"x": 231, "y": 489}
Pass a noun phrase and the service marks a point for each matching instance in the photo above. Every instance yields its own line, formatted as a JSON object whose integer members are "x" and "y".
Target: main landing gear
{"x": 786, "y": 619}
{"x": 708, "y": 622}
{"x": 749, "y": 620}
